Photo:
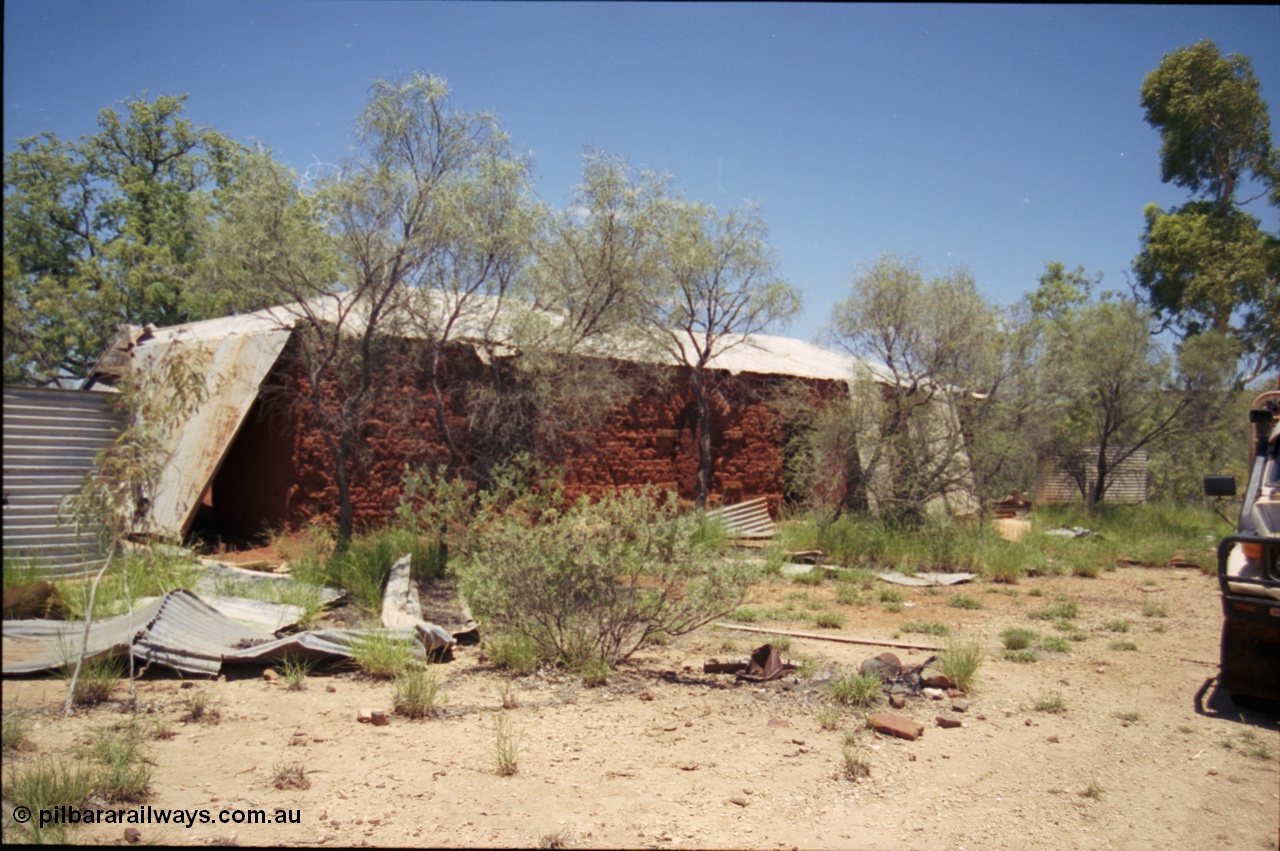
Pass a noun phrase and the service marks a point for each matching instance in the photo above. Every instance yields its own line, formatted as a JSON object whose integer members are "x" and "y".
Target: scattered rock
{"x": 132, "y": 835}
{"x": 936, "y": 679}
{"x": 742, "y": 802}
{"x": 379, "y": 718}
{"x": 886, "y": 666}
{"x": 1053, "y": 740}
{"x": 934, "y": 693}
{"x": 948, "y": 723}
{"x": 188, "y": 684}
{"x": 897, "y": 701}
{"x": 330, "y": 689}
{"x": 364, "y": 716}
{"x": 773, "y": 722}
{"x": 896, "y": 725}
{"x": 960, "y": 706}
{"x": 955, "y": 692}
{"x": 270, "y": 676}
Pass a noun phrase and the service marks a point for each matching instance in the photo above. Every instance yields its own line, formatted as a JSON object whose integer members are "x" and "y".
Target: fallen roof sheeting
{"x": 924, "y": 580}
{"x": 178, "y": 630}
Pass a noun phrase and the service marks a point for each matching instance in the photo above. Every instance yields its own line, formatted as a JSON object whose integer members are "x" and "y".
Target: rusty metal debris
{"x": 764, "y": 664}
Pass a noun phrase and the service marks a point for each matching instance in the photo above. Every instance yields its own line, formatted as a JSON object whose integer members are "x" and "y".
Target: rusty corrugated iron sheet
{"x": 51, "y": 437}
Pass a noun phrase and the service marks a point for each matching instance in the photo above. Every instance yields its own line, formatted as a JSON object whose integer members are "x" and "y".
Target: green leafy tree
{"x": 419, "y": 234}
{"x": 579, "y": 298}
{"x": 932, "y": 342}
{"x": 1112, "y": 389}
{"x": 718, "y": 286}
{"x": 1208, "y": 264}
{"x": 105, "y": 231}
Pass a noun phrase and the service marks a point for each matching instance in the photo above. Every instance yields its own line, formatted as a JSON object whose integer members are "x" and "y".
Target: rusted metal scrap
{"x": 764, "y": 664}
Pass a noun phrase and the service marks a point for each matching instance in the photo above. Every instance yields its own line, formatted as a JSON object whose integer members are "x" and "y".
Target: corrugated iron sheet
{"x": 179, "y": 631}
{"x": 1128, "y": 484}
{"x": 748, "y": 519}
{"x": 51, "y": 437}
{"x": 236, "y": 365}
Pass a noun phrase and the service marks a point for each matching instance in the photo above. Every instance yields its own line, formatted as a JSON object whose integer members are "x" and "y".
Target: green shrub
{"x": 1063, "y": 609}
{"x": 1022, "y": 656}
{"x": 506, "y": 746}
{"x": 1117, "y": 625}
{"x": 960, "y": 661}
{"x": 1055, "y": 644}
{"x": 849, "y": 594}
{"x": 16, "y": 723}
{"x": 516, "y": 653}
{"x": 381, "y": 654}
{"x": 829, "y": 620}
{"x": 123, "y": 773}
{"x": 595, "y": 580}
{"x": 1018, "y": 638}
{"x": 1152, "y": 610}
{"x": 1052, "y": 703}
{"x": 745, "y": 614}
{"x": 890, "y": 595}
{"x": 859, "y": 690}
{"x": 961, "y": 601}
{"x": 98, "y": 678}
{"x": 417, "y": 693}
{"x": 45, "y": 786}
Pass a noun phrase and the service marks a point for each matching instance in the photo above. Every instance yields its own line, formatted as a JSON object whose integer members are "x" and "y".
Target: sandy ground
{"x": 665, "y": 756}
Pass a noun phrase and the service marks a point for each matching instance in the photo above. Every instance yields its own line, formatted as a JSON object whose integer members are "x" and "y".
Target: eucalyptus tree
{"x": 104, "y": 231}
{"x": 1209, "y": 264}
{"x": 718, "y": 287}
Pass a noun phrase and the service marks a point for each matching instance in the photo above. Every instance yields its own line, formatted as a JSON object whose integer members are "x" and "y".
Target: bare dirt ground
{"x": 665, "y": 756}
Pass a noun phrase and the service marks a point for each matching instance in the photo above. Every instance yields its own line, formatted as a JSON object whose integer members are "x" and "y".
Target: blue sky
{"x": 994, "y": 138}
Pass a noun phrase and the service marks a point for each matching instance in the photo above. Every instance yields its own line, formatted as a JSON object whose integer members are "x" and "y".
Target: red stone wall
{"x": 652, "y": 439}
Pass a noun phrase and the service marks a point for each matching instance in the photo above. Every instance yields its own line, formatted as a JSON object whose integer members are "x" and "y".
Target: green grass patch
{"x": 856, "y": 690}
{"x": 1018, "y": 637}
{"x": 829, "y": 620}
{"x": 961, "y": 601}
{"x": 926, "y": 628}
{"x": 1022, "y": 656}
{"x": 960, "y": 661}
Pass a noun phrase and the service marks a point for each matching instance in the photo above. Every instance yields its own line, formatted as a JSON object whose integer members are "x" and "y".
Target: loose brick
{"x": 948, "y": 723}
{"x": 897, "y": 725}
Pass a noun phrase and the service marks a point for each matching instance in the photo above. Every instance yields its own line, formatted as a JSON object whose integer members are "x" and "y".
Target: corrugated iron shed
{"x": 51, "y": 436}
{"x": 1054, "y": 486}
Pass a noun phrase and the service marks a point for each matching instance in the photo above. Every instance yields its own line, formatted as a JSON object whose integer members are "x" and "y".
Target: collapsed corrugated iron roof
{"x": 182, "y": 632}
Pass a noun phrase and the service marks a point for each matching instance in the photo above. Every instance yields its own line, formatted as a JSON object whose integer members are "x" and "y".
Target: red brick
{"x": 897, "y": 725}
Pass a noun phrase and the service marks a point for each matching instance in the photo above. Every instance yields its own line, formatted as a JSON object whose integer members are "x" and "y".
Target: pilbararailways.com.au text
{"x": 152, "y": 816}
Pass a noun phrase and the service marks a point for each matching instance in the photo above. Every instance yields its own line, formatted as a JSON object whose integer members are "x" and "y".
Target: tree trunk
{"x": 706, "y": 461}
{"x": 1097, "y": 492}
{"x": 346, "y": 513}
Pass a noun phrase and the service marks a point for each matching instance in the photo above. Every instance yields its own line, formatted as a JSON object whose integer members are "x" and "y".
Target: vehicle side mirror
{"x": 1219, "y": 485}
